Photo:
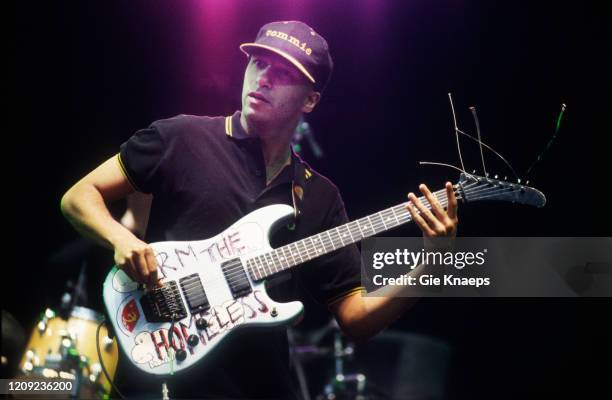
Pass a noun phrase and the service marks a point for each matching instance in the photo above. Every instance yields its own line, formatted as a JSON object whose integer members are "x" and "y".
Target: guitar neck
{"x": 290, "y": 255}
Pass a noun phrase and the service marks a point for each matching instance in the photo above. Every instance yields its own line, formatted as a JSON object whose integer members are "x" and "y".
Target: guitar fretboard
{"x": 304, "y": 250}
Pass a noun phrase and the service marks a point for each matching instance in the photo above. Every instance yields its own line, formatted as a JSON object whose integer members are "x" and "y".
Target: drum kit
{"x": 66, "y": 348}
{"x": 69, "y": 343}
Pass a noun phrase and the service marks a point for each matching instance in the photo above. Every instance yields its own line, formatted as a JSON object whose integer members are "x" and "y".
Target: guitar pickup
{"x": 194, "y": 294}
{"x": 163, "y": 304}
{"x": 236, "y": 278}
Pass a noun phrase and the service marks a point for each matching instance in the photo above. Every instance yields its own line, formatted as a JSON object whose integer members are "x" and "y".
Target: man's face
{"x": 273, "y": 89}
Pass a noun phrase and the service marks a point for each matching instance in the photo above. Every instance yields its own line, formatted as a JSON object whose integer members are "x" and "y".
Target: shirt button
{"x": 258, "y": 172}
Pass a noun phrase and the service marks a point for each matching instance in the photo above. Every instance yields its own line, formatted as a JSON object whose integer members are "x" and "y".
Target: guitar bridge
{"x": 163, "y": 304}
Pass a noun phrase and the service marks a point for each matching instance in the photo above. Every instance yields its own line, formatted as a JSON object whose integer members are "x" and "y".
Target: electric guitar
{"x": 214, "y": 287}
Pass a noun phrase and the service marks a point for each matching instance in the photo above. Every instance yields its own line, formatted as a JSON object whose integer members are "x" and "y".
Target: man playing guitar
{"x": 206, "y": 172}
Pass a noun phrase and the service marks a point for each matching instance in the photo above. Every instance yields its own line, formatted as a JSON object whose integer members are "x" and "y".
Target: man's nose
{"x": 263, "y": 79}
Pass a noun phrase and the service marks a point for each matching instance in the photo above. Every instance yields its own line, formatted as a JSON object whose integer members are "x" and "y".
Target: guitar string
{"x": 378, "y": 224}
{"x": 267, "y": 268}
{"x": 326, "y": 242}
{"x": 270, "y": 267}
{"x": 310, "y": 247}
{"x": 312, "y": 251}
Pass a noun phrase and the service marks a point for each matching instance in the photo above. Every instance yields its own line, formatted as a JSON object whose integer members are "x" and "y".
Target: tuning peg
{"x": 473, "y": 171}
{"x": 527, "y": 183}
{"x": 518, "y": 180}
{"x": 505, "y": 178}
{"x": 496, "y": 176}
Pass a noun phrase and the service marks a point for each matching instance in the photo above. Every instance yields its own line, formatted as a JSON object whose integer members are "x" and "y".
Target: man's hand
{"x": 137, "y": 260}
{"x": 435, "y": 222}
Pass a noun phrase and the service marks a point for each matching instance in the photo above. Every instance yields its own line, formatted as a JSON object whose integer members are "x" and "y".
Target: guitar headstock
{"x": 477, "y": 188}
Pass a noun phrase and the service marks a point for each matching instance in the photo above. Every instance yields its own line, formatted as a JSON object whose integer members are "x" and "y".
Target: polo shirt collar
{"x": 301, "y": 173}
{"x": 234, "y": 129}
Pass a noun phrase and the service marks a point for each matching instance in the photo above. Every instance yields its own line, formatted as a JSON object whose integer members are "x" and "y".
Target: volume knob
{"x": 193, "y": 340}
{"x": 181, "y": 355}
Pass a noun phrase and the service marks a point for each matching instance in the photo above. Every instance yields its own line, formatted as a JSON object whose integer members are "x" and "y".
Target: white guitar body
{"x": 148, "y": 344}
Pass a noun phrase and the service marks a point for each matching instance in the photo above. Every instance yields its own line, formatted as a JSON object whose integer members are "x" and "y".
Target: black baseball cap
{"x": 300, "y": 45}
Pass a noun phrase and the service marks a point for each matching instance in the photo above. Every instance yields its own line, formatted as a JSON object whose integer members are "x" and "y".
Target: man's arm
{"x": 84, "y": 205}
{"x": 363, "y": 317}
{"x": 136, "y": 216}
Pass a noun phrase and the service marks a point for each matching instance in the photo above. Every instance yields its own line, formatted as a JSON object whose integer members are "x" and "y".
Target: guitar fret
{"x": 269, "y": 262}
{"x": 382, "y": 220}
{"x": 311, "y": 248}
{"x": 260, "y": 261}
{"x": 380, "y": 224}
{"x": 289, "y": 261}
{"x": 402, "y": 214}
{"x": 395, "y": 215}
{"x": 372, "y": 225}
{"x": 277, "y": 262}
{"x": 257, "y": 272}
{"x": 279, "y": 259}
{"x": 297, "y": 251}
{"x": 305, "y": 249}
{"x": 264, "y": 263}
{"x": 332, "y": 240}
{"x": 390, "y": 218}
{"x": 349, "y": 232}
{"x": 357, "y": 230}
{"x": 363, "y": 235}
{"x": 274, "y": 269}
{"x": 322, "y": 243}
{"x": 260, "y": 273}
{"x": 323, "y": 240}
{"x": 337, "y": 229}
{"x": 290, "y": 255}
{"x": 249, "y": 268}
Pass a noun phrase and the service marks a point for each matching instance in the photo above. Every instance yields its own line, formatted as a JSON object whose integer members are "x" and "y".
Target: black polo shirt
{"x": 205, "y": 173}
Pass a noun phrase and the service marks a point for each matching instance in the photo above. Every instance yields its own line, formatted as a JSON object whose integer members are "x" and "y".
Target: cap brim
{"x": 281, "y": 53}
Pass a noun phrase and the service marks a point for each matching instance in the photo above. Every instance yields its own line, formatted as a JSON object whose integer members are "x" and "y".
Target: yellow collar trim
{"x": 228, "y": 126}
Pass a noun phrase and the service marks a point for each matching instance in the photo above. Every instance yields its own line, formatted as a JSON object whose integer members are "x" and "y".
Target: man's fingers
{"x": 416, "y": 217}
{"x": 433, "y": 223}
{"x": 436, "y": 207}
{"x": 451, "y": 209}
{"x": 129, "y": 270}
{"x": 152, "y": 265}
{"x": 141, "y": 266}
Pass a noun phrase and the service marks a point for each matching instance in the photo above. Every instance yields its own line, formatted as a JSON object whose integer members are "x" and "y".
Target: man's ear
{"x": 311, "y": 101}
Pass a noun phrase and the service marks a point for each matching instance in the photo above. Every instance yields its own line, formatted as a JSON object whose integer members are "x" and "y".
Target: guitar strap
{"x": 299, "y": 185}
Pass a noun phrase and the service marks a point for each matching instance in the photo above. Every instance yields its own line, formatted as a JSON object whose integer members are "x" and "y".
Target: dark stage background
{"x": 88, "y": 74}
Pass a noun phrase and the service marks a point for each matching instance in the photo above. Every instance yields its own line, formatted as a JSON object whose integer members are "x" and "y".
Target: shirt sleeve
{"x": 140, "y": 158}
{"x": 336, "y": 275}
